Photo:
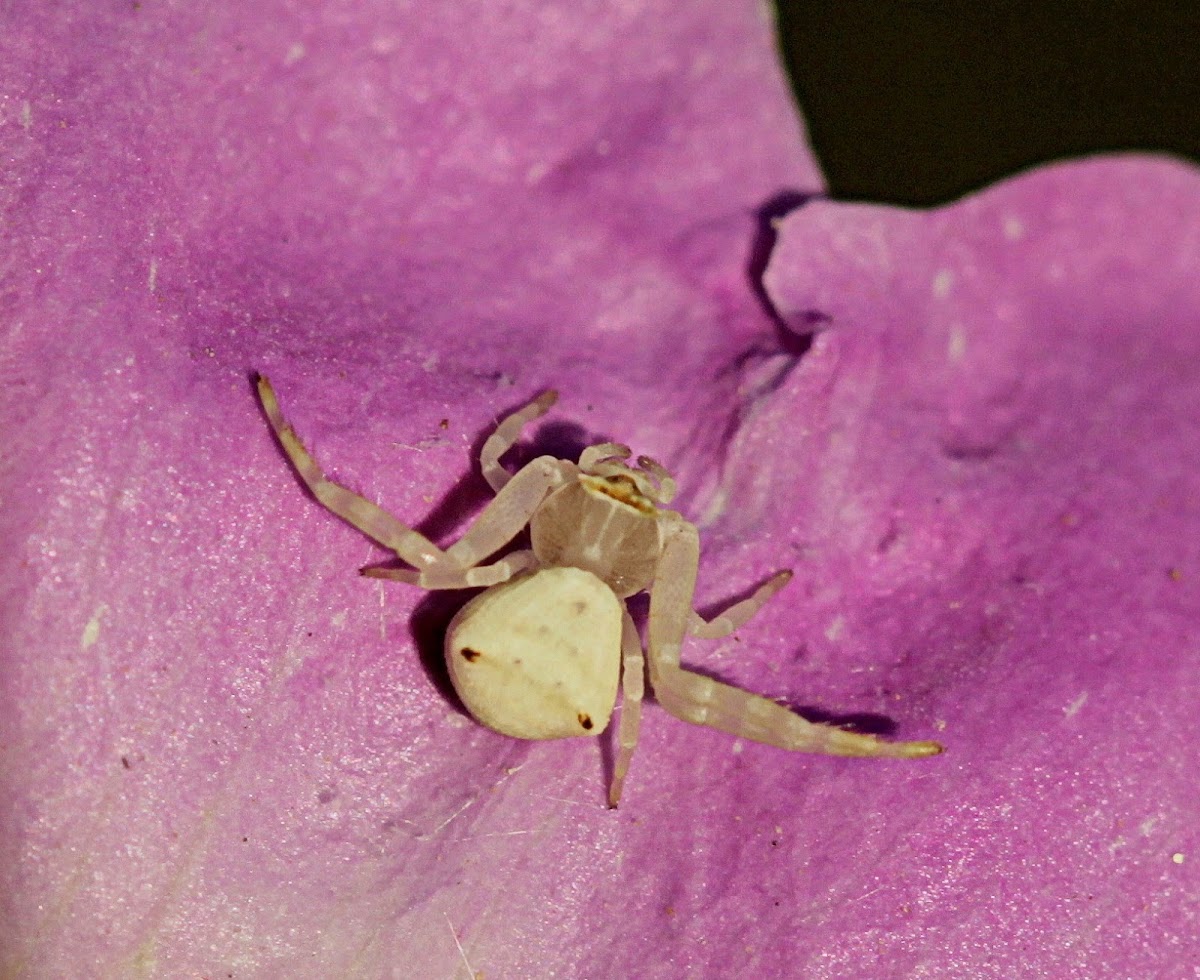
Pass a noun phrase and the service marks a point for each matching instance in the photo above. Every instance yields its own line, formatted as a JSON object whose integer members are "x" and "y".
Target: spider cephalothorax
{"x": 540, "y": 654}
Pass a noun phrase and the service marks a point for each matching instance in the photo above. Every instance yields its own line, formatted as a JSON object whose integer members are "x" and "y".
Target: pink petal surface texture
{"x": 225, "y": 754}
{"x": 1001, "y": 460}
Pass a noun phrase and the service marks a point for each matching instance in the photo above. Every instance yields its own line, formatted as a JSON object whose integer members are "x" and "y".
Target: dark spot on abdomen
{"x": 585, "y": 721}
{"x": 470, "y": 655}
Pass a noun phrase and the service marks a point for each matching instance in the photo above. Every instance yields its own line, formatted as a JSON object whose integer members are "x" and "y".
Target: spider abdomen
{"x": 539, "y": 656}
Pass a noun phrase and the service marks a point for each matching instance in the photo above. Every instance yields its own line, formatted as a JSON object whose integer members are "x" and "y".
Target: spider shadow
{"x": 428, "y": 623}
{"x": 468, "y": 495}
{"x": 860, "y": 722}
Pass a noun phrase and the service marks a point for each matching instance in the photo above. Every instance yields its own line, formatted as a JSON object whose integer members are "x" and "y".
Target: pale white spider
{"x": 539, "y": 653}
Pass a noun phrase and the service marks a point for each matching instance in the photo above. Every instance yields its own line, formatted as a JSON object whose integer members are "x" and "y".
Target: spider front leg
{"x": 371, "y": 519}
{"x": 505, "y": 516}
{"x": 454, "y": 568}
{"x": 701, "y": 700}
{"x": 505, "y": 437}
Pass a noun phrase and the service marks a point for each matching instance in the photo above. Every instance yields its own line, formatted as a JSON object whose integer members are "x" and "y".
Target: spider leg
{"x": 602, "y": 450}
{"x": 506, "y": 435}
{"x": 481, "y": 576}
{"x": 736, "y": 615}
{"x": 667, "y": 486}
{"x": 505, "y": 516}
{"x": 501, "y": 520}
{"x": 371, "y": 519}
{"x": 701, "y": 700}
{"x": 633, "y": 665}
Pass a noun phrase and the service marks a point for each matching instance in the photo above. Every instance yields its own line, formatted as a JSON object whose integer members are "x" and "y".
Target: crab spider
{"x": 540, "y": 652}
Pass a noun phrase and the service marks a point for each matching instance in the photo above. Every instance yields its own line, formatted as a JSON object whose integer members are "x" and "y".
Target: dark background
{"x": 920, "y": 102}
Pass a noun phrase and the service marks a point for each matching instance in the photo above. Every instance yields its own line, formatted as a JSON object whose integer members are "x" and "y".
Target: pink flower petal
{"x": 993, "y": 467}
{"x": 227, "y": 754}
{"x": 223, "y": 754}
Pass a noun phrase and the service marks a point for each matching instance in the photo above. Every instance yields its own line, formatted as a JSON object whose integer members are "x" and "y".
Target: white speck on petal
{"x": 535, "y": 173}
{"x": 91, "y": 632}
{"x": 1073, "y": 708}
{"x": 957, "y": 345}
{"x": 943, "y": 282}
{"x": 835, "y": 628}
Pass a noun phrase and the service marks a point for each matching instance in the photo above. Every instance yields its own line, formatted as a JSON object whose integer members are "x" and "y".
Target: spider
{"x": 539, "y": 653}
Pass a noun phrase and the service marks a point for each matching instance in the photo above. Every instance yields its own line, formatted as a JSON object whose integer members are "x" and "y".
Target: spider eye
{"x": 624, "y": 489}
{"x": 664, "y": 483}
